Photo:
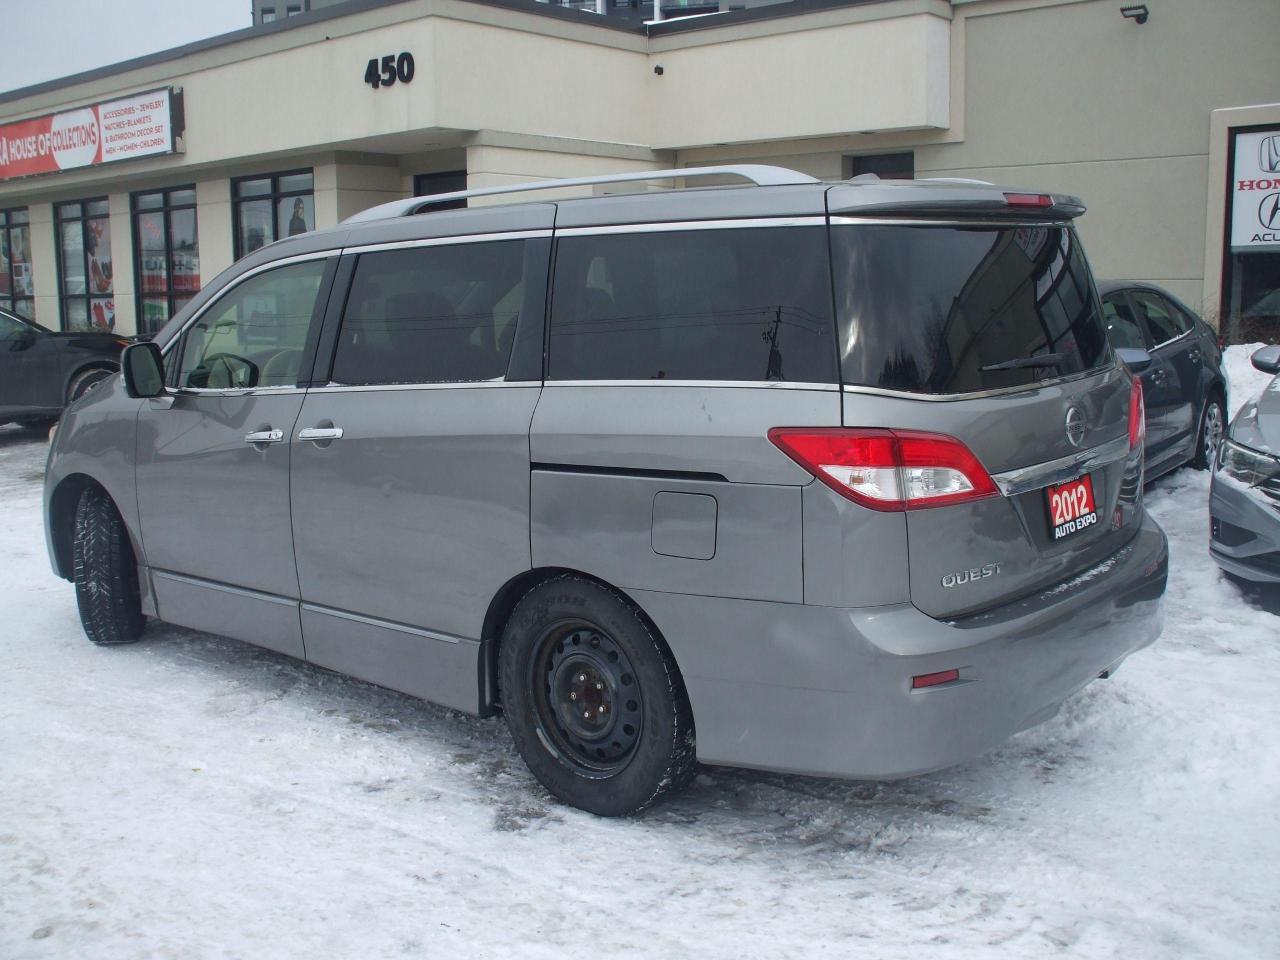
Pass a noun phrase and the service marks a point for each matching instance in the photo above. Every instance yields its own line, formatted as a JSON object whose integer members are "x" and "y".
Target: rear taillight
{"x": 1137, "y": 415}
{"x": 888, "y": 469}
{"x": 1028, "y": 199}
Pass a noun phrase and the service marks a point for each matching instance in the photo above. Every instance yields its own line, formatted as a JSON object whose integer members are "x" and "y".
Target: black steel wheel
{"x": 593, "y": 698}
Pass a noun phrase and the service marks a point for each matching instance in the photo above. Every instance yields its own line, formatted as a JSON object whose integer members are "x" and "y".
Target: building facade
{"x": 122, "y": 190}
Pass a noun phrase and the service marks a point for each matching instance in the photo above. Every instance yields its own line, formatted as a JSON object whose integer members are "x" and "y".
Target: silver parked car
{"x": 837, "y": 479}
{"x": 1244, "y": 496}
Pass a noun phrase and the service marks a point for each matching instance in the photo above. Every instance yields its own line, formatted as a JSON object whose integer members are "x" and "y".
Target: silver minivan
{"x": 835, "y": 479}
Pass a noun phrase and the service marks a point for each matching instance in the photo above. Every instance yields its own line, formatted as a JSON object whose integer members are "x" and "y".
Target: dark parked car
{"x": 1184, "y": 388}
{"x": 1244, "y": 521}
{"x": 42, "y": 371}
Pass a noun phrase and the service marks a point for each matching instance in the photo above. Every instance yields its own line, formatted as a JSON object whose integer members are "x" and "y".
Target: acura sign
{"x": 1255, "y": 191}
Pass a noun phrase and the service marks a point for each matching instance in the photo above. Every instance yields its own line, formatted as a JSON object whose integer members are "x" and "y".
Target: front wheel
{"x": 106, "y": 575}
{"x": 593, "y": 699}
{"x": 1213, "y": 423}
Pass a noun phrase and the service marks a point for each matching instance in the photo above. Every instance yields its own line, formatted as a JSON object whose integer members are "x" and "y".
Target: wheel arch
{"x": 85, "y": 367}
{"x": 504, "y": 603}
{"x": 62, "y": 518}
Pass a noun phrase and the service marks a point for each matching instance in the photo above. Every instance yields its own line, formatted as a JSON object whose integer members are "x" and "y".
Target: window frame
{"x": 9, "y": 301}
{"x": 1132, "y": 294}
{"x": 1141, "y": 321}
{"x": 166, "y": 209}
{"x": 424, "y": 182}
{"x": 527, "y": 354}
{"x": 319, "y": 314}
{"x": 83, "y": 219}
{"x": 274, "y": 195}
{"x": 746, "y": 224}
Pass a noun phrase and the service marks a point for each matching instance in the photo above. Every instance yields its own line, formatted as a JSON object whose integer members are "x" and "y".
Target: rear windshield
{"x": 933, "y": 309}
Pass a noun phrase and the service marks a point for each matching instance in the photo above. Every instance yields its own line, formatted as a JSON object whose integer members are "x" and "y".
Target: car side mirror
{"x": 143, "y": 370}
{"x": 22, "y": 341}
{"x": 1135, "y": 358}
{"x": 1267, "y": 359}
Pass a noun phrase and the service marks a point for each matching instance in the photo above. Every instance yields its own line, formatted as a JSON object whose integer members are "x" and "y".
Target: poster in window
{"x": 98, "y": 240}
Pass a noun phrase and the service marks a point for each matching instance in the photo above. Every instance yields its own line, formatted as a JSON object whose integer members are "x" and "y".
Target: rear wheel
{"x": 105, "y": 572}
{"x": 83, "y": 381}
{"x": 593, "y": 699}
{"x": 1213, "y": 423}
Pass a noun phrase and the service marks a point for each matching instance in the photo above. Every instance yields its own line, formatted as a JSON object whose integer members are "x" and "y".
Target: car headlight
{"x": 1246, "y": 464}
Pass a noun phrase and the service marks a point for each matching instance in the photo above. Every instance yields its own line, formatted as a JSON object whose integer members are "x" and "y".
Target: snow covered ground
{"x": 195, "y": 797}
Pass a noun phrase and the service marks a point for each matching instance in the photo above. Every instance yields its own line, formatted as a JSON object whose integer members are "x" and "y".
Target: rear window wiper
{"x": 1019, "y": 363}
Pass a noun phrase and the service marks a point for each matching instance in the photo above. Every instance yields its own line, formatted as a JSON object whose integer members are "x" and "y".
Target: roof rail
{"x": 759, "y": 174}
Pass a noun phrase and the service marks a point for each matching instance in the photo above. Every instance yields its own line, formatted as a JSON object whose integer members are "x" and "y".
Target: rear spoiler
{"x": 941, "y": 200}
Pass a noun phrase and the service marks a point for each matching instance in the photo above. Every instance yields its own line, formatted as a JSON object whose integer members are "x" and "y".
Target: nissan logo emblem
{"x": 1269, "y": 211}
{"x": 1075, "y": 426}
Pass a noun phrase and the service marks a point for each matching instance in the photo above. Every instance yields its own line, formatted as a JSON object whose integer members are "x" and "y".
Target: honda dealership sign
{"x": 143, "y": 125}
{"x": 1255, "y": 191}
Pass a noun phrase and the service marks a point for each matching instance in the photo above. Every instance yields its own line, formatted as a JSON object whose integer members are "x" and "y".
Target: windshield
{"x": 962, "y": 309}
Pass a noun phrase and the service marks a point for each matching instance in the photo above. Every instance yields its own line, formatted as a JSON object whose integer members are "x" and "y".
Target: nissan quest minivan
{"x": 835, "y": 479}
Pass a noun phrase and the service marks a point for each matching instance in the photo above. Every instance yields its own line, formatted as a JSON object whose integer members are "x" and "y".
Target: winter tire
{"x": 83, "y": 381}
{"x": 106, "y": 575}
{"x": 1213, "y": 422}
{"x": 593, "y": 699}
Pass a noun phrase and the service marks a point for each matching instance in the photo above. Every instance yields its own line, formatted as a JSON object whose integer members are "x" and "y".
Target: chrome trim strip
{"x": 1025, "y": 479}
{"x": 673, "y": 226}
{"x": 231, "y": 391}
{"x": 223, "y": 588}
{"x": 730, "y": 384}
{"x": 384, "y": 624}
{"x": 260, "y": 268}
{"x": 461, "y": 385}
{"x": 447, "y": 241}
{"x": 1181, "y": 336}
{"x": 844, "y": 220}
{"x": 980, "y": 394}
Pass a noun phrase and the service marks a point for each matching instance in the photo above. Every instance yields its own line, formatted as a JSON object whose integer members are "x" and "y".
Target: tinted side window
{"x": 734, "y": 304}
{"x": 431, "y": 314}
{"x": 1164, "y": 321}
{"x": 1123, "y": 328}
{"x": 254, "y": 336}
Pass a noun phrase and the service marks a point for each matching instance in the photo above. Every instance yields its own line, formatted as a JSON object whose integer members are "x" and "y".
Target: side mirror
{"x": 1267, "y": 359}
{"x": 143, "y": 370}
{"x": 23, "y": 340}
{"x": 1135, "y": 358}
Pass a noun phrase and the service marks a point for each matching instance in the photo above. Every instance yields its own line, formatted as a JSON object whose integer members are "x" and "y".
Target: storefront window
{"x": 1251, "y": 288}
{"x": 166, "y": 254}
{"x": 17, "y": 288}
{"x": 450, "y": 181}
{"x": 269, "y": 208}
{"x": 85, "y": 286}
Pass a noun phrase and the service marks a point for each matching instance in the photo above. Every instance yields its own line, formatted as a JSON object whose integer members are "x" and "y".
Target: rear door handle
{"x": 264, "y": 436}
{"x": 320, "y": 433}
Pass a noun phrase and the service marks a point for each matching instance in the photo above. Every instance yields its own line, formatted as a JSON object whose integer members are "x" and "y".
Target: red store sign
{"x": 143, "y": 125}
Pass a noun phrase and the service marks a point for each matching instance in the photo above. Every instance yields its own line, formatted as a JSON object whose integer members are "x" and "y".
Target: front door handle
{"x": 321, "y": 434}
{"x": 264, "y": 436}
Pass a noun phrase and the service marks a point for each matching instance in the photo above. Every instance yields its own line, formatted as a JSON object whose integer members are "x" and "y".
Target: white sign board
{"x": 1255, "y": 191}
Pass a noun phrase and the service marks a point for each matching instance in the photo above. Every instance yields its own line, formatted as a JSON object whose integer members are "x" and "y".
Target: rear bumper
{"x": 827, "y": 691}
{"x": 1251, "y": 524}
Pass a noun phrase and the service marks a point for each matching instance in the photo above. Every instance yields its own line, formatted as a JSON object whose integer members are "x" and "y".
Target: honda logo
{"x": 1075, "y": 426}
{"x": 1269, "y": 155}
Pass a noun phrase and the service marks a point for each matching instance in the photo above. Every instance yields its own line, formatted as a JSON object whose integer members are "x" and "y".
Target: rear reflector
{"x": 1137, "y": 415}
{"x": 1028, "y": 199}
{"x": 933, "y": 679}
{"x": 888, "y": 470}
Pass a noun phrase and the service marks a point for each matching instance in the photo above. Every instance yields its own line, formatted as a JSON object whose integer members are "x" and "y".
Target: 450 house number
{"x": 385, "y": 72}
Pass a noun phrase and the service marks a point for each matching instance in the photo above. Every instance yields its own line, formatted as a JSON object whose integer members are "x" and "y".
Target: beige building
{"x": 215, "y": 148}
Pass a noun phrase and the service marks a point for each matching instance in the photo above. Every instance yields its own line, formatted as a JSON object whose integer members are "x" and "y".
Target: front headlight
{"x": 1245, "y": 464}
